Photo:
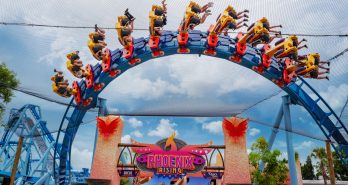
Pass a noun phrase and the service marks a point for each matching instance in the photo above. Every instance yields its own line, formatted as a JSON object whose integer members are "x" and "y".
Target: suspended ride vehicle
{"x": 158, "y": 19}
{"x": 61, "y": 86}
{"x": 257, "y": 33}
{"x": 124, "y": 27}
{"x": 225, "y": 22}
{"x": 96, "y": 43}
{"x": 74, "y": 65}
{"x": 310, "y": 65}
{"x": 191, "y": 19}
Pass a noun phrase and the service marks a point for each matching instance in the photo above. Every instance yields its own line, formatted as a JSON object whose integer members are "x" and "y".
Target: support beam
{"x": 44, "y": 178}
{"x": 15, "y": 164}
{"x": 289, "y": 144}
{"x": 275, "y": 127}
{"x": 331, "y": 167}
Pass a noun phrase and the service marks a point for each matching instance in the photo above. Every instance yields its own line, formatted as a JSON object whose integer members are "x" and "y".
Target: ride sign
{"x": 171, "y": 158}
{"x": 212, "y": 175}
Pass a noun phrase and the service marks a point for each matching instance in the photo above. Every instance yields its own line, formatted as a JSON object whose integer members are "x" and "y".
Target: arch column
{"x": 235, "y": 157}
{"x": 104, "y": 167}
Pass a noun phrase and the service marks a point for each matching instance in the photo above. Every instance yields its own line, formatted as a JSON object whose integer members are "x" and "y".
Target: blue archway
{"x": 328, "y": 122}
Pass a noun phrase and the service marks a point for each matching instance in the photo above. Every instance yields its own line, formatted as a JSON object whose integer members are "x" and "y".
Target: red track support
{"x": 106, "y": 64}
{"x": 77, "y": 93}
{"x": 154, "y": 42}
{"x": 182, "y": 41}
{"x": 212, "y": 43}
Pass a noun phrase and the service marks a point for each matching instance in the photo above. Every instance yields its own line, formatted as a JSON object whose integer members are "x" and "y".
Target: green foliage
{"x": 124, "y": 182}
{"x": 341, "y": 171}
{"x": 275, "y": 170}
{"x": 308, "y": 170}
{"x": 7, "y": 83}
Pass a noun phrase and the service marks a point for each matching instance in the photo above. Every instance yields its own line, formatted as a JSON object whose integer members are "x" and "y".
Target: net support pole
{"x": 289, "y": 143}
{"x": 16, "y": 161}
{"x": 330, "y": 161}
{"x": 275, "y": 128}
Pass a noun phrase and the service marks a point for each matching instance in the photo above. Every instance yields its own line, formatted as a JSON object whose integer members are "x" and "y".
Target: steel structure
{"x": 299, "y": 91}
{"x": 36, "y": 160}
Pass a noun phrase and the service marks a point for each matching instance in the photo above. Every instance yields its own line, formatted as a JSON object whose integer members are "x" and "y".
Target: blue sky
{"x": 180, "y": 82}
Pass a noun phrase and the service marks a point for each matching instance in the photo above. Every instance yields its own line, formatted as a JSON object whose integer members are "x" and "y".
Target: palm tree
{"x": 320, "y": 154}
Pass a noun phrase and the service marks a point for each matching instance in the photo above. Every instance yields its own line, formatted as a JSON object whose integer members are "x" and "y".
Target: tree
{"x": 124, "y": 182}
{"x": 308, "y": 170}
{"x": 340, "y": 168}
{"x": 7, "y": 83}
{"x": 275, "y": 170}
{"x": 320, "y": 154}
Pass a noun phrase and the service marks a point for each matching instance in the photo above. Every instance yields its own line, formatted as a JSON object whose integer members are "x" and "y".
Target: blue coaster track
{"x": 299, "y": 90}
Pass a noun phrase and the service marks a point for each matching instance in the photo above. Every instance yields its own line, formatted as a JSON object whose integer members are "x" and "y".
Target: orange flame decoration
{"x": 108, "y": 125}
{"x": 235, "y": 127}
{"x": 170, "y": 142}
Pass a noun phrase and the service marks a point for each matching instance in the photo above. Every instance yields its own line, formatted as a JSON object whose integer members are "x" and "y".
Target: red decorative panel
{"x": 108, "y": 125}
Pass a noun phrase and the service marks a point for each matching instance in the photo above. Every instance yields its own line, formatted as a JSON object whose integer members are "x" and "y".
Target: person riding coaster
{"x": 96, "y": 43}
{"x": 61, "y": 86}
{"x": 124, "y": 27}
{"x": 310, "y": 65}
{"x": 74, "y": 64}
{"x": 192, "y": 16}
{"x": 158, "y": 19}
{"x": 258, "y": 33}
{"x": 227, "y": 20}
{"x": 286, "y": 47}
{"x": 191, "y": 19}
{"x": 315, "y": 74}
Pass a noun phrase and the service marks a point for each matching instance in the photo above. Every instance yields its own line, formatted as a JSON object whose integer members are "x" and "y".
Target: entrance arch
{"x": 299, "y": 91}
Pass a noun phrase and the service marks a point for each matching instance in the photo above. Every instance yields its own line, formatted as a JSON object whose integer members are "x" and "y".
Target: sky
{"x": 184, "y": 82}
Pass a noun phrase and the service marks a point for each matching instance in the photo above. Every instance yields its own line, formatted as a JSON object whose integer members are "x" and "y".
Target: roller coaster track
{"x": 300, "y": 91}
{"x": 28, "y": 122}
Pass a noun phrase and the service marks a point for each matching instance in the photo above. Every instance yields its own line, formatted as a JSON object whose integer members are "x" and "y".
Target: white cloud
{"x": 336, "y": 96}
{"x": 305, "y": 145}
{"x": 137, "y": 133}
{"x": 213, "y": 127}
{"x": 254, "y": 131}
{"x": 164, "y": 129}
{"x": 212, "y": 76}
{"x": 135, "y": 123}
{"x": 126, "y": 139}
{"x": 81, "y": 158}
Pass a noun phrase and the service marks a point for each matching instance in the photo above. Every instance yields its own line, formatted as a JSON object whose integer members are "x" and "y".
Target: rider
{"x": 286, "y": 48}
{"x": 74, "y": 64}
{"x": 310, "y": 65}
{"x": 158, "y": 18}
{"x": 315, "y": 74}
{"x": 258, "y": 32}
{"x": 192, "y": 16}
{"x": 96, "y": 43}
{"x": 227, "y": 20}
{"x": 59, "y": 85}
{"x": 124, "y": 27}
